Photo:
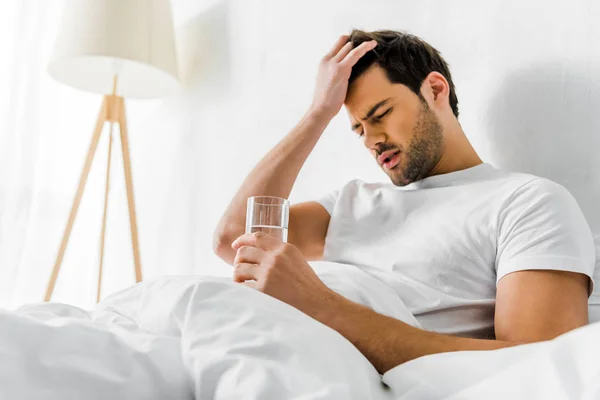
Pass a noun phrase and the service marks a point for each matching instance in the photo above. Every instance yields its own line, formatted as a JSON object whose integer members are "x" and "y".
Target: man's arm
{"x": 539, "y": 305}
{"x": 387, "y": 342}
{"x": 276, "y": 173}
{"x": 531, "y": 306}
{"x": 279, "y": 270}
{"x": 544, "y": 255}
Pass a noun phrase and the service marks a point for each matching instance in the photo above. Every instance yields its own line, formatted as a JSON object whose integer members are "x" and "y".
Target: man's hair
{"x": 406, "y": 59}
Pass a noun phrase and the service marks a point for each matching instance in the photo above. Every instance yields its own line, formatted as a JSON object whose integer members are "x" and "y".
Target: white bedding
{"x": 565, "y": 368}
{"x": 181, "y": 337}
{"x": 177, "y": 337}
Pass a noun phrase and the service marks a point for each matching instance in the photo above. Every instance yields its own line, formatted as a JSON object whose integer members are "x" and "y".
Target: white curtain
{"x": 26, "y": 204}
{"x": 45, "y": 130}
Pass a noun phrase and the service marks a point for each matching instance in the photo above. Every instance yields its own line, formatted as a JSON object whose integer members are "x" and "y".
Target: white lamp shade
{"x": 135, "y": 38}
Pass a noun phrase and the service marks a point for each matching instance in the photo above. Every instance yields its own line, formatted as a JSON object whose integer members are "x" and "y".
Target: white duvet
{"x": 208, "y": 338}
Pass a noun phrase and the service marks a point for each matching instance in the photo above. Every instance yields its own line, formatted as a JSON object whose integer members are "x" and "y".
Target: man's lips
{"x": 387, "y": 156}
{"x": 392, "y": 161}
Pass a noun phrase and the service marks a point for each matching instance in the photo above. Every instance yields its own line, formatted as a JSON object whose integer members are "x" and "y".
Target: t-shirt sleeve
{"x": 328, "y": 201}
{"x": 542, "y": 227}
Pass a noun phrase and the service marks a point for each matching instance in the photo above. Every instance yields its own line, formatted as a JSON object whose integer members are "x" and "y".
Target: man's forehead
{"x": 362, "y": 106}
{"x": 366, "y": 88}
{"x": 370, "y": 89}
{"x": 367, "y": 112}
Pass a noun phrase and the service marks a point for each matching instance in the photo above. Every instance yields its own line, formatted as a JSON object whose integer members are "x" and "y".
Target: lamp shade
{"x": 98, "y": 38}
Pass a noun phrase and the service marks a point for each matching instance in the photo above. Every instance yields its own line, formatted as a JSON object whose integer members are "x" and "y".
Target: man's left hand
{"x": 279, "y": 270}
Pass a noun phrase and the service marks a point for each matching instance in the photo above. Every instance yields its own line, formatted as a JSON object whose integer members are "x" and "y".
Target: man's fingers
{"x": 249, "y": 254}
{"x": 246, "y": 272}
{"x": 355, "y": 55}
{"x": 336, "y": 48}
{"x": 343, "y": 52}
{"x": 257, "y": 239}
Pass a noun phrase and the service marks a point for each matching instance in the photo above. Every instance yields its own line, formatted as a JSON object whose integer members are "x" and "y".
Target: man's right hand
{"x": 334, "y": 72}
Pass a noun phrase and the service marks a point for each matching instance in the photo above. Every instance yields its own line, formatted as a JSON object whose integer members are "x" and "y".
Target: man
{"x": 484, "y": 259}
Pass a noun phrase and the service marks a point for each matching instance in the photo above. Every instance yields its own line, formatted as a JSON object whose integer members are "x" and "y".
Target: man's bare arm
{"x": 387, "y": 342}
{"x": 535, "y": 305}
{"x": 276, "y": 173}
{"x": 531, "y": 305}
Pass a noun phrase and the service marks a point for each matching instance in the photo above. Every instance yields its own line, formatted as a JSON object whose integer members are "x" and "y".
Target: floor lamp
{"x": 120, "y": 49}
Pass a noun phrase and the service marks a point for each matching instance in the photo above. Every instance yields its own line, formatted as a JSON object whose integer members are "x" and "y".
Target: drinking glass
{"x": 268, "y": 214}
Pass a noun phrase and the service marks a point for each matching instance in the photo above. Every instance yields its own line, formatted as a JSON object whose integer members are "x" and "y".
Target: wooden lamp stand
{"x": 112, "y": 111}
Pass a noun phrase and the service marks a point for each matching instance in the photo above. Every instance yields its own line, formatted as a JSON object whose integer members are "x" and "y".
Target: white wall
{"x": 527, "y": 81}
{"x": 526, "y": 75}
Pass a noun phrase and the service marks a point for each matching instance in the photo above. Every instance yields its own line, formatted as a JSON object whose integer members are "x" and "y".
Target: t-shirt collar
{"x": 479, "y": 171}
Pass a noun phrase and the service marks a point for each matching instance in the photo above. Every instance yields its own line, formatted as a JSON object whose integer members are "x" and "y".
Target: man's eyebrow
{"x": 372, "y": 111}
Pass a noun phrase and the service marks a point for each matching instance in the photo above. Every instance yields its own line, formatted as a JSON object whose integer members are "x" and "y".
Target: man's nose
{"x": 373, "y": 139}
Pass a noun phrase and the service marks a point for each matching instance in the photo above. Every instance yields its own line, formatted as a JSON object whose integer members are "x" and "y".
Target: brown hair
{"x": 406, "y": 59}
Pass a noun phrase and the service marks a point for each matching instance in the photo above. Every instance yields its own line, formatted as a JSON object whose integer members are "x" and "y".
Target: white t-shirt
{"x": 443, "y": 243}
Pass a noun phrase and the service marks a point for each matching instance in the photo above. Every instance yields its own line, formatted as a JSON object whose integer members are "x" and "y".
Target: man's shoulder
{"x": 521, "y": 184}
{"x": 512, "y": 177}
{"x": 525, "y": 184}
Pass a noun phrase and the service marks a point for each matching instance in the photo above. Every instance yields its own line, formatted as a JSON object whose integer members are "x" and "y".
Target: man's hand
{"x": 279, "y": 270}
{"x": 334, "y": 72}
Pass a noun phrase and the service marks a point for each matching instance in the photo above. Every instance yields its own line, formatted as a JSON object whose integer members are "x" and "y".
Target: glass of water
{"x": 268, "y": 214}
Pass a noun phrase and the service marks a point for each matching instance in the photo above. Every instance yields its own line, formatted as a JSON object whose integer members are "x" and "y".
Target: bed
{"x": 189, "y": 337}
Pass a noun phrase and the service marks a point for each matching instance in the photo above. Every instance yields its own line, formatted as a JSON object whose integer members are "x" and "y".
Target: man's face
{"x": 397, "y": 126}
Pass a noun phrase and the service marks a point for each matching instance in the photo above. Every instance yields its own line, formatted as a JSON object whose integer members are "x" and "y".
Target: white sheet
{"x": 565, "y": 368}
{"x": 183, "y": 336}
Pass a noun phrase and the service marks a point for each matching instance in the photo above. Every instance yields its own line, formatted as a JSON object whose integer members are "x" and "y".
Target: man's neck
{"x": 457, "y": 153}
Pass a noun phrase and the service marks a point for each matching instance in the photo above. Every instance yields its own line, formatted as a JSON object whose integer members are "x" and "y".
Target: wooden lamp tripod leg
{"x": 112, "y": 116}
{"x": 129, "y": 185}
{"x": 106, "y": 190}
{"x": 77, "y": 200}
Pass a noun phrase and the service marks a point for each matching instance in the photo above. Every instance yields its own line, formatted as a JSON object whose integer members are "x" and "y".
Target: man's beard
{"x": 424, "y": 150}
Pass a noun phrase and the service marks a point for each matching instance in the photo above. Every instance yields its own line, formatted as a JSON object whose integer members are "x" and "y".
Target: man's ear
{"x": 435, "y": 88}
